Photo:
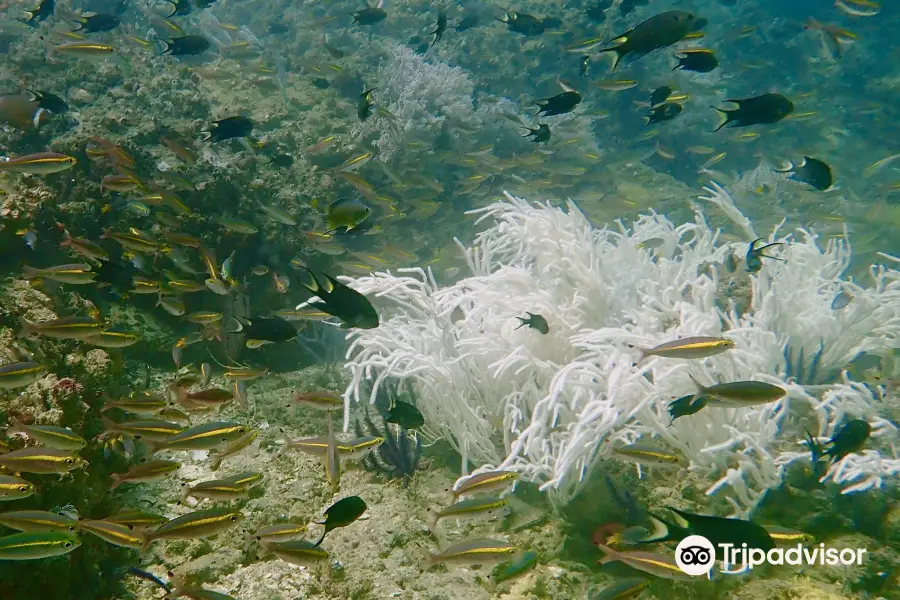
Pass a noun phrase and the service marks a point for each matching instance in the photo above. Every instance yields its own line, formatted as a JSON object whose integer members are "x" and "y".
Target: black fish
{"x": 188, "y": 45}
{"x": 664, "y": 112}
{"x": 686, "y": 405}
{"x": 50, "y": 102}
{"x": 523, "y": 23}
{"x": 850, "y": 438}
{"x": 179, "y": 8}
{"x": 717, "y": 530}
{"x": 97, "y": 23}
{"x": 43, "y": 11}
{"x": 405, "y": 415}
{"x": 119, "y": 277}
{"x": 232, "y": 127}
{"x": 765, "y": 109}
{"x": 369, "y": 15}
{"x": 272, "y": 329}
{"x": 364, "y": 109}
{"x": 812, "y": 171}
{"x": 700, "y": 60}
{"x": 660, "y": 95}
{"x": 342, "y": 513}
{"x": 467, "y": 23}
{"x": 441, "y": 27}
{"x": 321, "y": 83}
{"x": 540, "y": 134}
{"x": 535, "y": 322}
{"x": 754, "y": 255}
{"x": 559, "y": 104}
{"x": 656, "y": 32}
{"x": 278, "y": 28}
{"x": 343, "y": 302}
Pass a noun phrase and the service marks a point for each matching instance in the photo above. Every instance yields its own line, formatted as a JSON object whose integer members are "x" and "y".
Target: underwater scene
{"x": 449, "y": 299}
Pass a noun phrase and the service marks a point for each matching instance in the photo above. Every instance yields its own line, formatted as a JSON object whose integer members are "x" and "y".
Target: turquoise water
{"x": 182, "y": 179}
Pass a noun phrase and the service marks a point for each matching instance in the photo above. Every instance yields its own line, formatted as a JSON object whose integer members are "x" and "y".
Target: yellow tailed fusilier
{"x": 14, "y": 488}
{"x": 60, "y": 438}
{"x": 20, "y": 374}
{"x": 204, "y": 437}
{"x": 37, "y": 520}
{"x": 40, "y": 460}
{"x": 691, "y": 347}
{"x": 35, "y": 545}
{"x": 195, "y": 525}
{"x": 42, "y": 163}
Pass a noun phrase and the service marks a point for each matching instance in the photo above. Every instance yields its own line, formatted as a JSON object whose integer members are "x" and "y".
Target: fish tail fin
{"x": 609, "y": 555}
{"x": 725, "y": 115}
{"x": 617, "y": 49}
{"x": 815, "y": 448}
{"x": 31, "y": 272}
{"x": 145, "y": 545}
{"x": 659, "y": 533}
{"x": 434, "y": 518}
{"x": 237, "y": 326}
{"x": 28, "y": 328}
{"x": 786, "y": 167}
{"x": 321, "y": 538}
{"x": 178, "y": 393}
{"x": 700, "y": 388}
{"x": 153, "y": 447}
{"x": 16, "y": 425}
{"x": 117, "y": 480}
{"x": 216, "y": 462}
{"x": 287, "y": 441}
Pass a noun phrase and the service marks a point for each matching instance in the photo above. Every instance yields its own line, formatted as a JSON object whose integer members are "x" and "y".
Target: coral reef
{"x": 567, "y": 399}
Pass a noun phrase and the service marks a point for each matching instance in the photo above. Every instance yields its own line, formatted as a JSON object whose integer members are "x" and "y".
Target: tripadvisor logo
{"x": 696, "y": 555}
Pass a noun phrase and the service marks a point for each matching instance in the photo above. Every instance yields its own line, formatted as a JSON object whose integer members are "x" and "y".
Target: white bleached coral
{"x": 420, "y": 95}
{"x": 552, "y": 406}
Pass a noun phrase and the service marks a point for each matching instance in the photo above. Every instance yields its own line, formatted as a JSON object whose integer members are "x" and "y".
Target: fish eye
{"x": 23, "y": 488}
{"x": 67, "y": 544}
{"x": 241, "y": 430}
{"x": 233, "y": 518}
{"x": 70, "y": 461}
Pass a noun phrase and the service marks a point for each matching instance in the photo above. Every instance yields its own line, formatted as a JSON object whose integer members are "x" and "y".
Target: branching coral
{"x": 551, "y": 406}
{"x": 421, "y": 94}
